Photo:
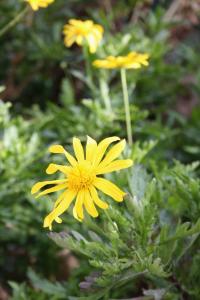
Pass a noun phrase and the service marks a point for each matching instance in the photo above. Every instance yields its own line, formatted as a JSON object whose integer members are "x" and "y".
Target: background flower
{"x": 80, "y": 32}
{"x": 36, "y": 4}
{"x": 133, "y": 60}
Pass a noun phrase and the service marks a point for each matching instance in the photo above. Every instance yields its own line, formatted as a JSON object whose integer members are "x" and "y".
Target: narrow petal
{"x": 109, "y": 189}
{"x": 96, "y": 199}
{"x": 58, "y": 149}
{"x": 102, "y": 147}
{"x": 78, "y": 149}
{"x": 53, "y": 168}
{"x": 79, "y": 40}
{"x": 64, "y": 204}
{"x": 114, "y": 152}
{"x": 92, "y": 42}
{"x": 91, "y": 148}
{"x": 115, "y": 166}
{"x": 69, "y": 41}
{"x": 89, "y": 204}
{"x": 58, "y": 220}
{"x": 78, "y": 208}
{"x": 41, "y": 184}
{"x": 76, "y": 215}
{"x": 53, "y": 189}
{"x": 60, "y": 198}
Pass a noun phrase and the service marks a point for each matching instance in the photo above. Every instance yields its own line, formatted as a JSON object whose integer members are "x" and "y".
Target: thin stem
{"x": 105, "y": 94}
{"x": 108, "y": 216}
{"x": 94, "y": 226}
{"x": 126, "y": 106}
{"x": 88, "y": 66}
{"x": 172, "y": 10}
{"x": 13, "y": 22}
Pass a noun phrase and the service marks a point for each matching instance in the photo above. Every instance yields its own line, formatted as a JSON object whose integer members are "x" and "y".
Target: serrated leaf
{"x": 46, "y": 286}
{"x": 138, "y": 181}
{"x": 184, "y": 230}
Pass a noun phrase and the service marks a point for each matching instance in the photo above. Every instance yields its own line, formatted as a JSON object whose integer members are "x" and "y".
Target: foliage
{"x": 148, "y": 246}
{"x": 138, "y": 242}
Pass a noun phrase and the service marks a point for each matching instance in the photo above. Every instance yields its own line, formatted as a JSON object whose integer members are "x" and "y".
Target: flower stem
{"x": 108, "y": 216}
{"x": 13, "y": 22}
{"x": 88, "y": 66}
{"x": 126, "y": 106}
{"x": 105, "y": 94}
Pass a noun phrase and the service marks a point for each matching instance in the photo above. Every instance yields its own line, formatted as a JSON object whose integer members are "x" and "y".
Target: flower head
{"x": 82, "y": 178}
{"x": 80, "y": 32}
{"x": 133, "y": 60}
{"x": 36, "y": 4}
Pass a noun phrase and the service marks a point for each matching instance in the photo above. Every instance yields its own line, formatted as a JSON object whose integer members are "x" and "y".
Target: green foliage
{"x": 134, "y": 243}
{"x": 148, "y": 246}
{"x": 53, "y": 289}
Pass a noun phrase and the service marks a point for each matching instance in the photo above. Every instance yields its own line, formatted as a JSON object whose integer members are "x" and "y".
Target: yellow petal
{"x": 92, "y": 42}
{"x": 56, "y": 149}
{"x": 53, "y": 168}
{"x": 96, "y": 199}
{"x": 102, "y": 147}
{"x": 41, "y": 184}
{"x": 60, "y": 149}
{"x": 114, "y": 152}
{"x": 76, "y": 215}
{"x": 60, "y": 198}
{"x": 56, "y": 188}
{"x": 78, "y": 208}
{"x": 69, "y": 41}
{"x": 91, "y": 148}
{"x": 115, "y": 166}
{"x": 64, "y": 204}
{"x": 79, "y": 40}
{"x": 89, "y": 205}
{"x": 58, "y": 220}
{"x": 78, "y": 149}
{"x": 109, "y": 189}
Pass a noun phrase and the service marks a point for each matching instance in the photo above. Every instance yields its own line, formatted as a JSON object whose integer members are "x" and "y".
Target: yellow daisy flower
{"x": 82, "y": 178}
{"x": 79, "y": 32}
{"x": 36, "y": 4}
{"x": 133, "y": 60}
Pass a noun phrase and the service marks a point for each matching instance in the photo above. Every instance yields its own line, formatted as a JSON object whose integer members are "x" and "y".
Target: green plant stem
{"x": 94, "y": 226}
{"x": 105, "y": 94}
{"x": 13, "y": 22}
{"x": 126, "y": 106}
{"x": 88, "y": 66}
{"x": 108, "y": 216}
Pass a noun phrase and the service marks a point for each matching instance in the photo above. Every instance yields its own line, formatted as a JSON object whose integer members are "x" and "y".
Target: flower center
{"x": 84, "y": 29}
{"x": 81, "y": 177}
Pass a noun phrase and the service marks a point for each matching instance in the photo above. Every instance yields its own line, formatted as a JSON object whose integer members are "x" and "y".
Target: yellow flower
{"x": 133, "y": 60}
{"x": 82, "y": 178}
{"x": 36, "y": 4}
{"x": 81, "y": 32}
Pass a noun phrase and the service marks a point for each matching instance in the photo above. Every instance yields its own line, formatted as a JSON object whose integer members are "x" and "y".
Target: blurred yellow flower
{"x": 133, "y": 60}
{"x": 36, "y": 4}
{"x": 80, "y": 32}
{"x": 81, "y": 178}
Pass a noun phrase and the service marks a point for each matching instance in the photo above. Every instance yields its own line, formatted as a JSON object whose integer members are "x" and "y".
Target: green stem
{"x": 105, "y": 94}
{"x": 13, "y": 22}
{"x": 88, "y": 66}
{"x": 94, "y": 226}
{"x": 108, "y": 216}
{"x": 126, "y": 106}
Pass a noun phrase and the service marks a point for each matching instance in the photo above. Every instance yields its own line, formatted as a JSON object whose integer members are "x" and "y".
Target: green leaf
{"x": 44, "y": 285}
